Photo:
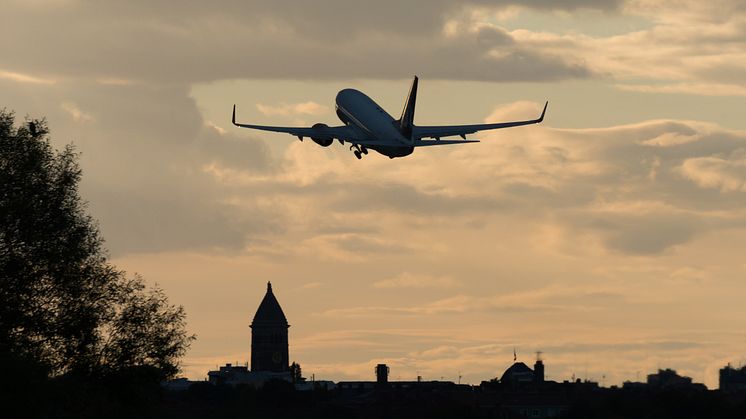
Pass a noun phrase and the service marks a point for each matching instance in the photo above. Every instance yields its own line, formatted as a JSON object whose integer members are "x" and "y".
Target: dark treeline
{"x": 279, "y": 400}
{"x": 78, "y": 337}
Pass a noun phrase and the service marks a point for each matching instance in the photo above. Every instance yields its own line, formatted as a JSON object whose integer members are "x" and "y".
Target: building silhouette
{"x": 269, "y": 336}
{"x": 269, "y": 349}
{"x": 668, "y": 378}
{"x": 369, "y": 389}
{"x": 382, "y": 374}
{"x": 733, "y": 379}
{"x": 519, "y": 373}
{"x": 522, "y": 390}
{"x": 664, "y": 379}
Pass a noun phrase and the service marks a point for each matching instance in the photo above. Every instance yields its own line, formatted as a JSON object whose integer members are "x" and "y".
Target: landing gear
{"x": 358, "y": 150}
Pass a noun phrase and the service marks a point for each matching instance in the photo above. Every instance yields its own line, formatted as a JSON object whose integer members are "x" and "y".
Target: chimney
{"x": 539, "y": 369}
{"x": 382, "y": 374}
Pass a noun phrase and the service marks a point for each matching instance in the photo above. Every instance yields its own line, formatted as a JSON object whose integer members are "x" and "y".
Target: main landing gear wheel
{"x": 359, "y": 151}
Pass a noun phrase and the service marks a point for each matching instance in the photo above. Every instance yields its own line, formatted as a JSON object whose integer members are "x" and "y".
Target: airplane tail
{"x": 406, "y": 122}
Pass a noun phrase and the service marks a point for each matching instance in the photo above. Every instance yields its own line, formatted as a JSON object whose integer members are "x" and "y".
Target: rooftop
{"x": 269, "y": 311}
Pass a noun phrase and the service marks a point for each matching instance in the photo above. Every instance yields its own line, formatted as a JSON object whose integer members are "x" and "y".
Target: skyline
{"x": 278, "y": 316}
{"x": 612, "y": 231}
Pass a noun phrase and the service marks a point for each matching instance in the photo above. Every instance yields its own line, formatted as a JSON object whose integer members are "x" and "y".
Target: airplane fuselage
{"x": 355, "y": 108}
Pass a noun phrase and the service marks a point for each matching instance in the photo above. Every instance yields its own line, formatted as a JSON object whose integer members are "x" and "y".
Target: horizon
{"x": 641, "y": 376}
{"x": 609, "y": 237}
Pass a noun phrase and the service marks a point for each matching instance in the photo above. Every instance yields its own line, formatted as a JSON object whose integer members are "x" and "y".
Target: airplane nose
{"x": 346, "y": 94}
{"x": 339, "y": 100}
{"x": 343, "y": 93}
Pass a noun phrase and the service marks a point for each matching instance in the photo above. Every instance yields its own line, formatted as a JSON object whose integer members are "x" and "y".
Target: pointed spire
{"x": 269, "y": 310}
{"x": 515, "y": 356}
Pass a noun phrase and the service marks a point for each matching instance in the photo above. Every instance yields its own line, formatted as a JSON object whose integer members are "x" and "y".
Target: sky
{"x": 610, "y": 237}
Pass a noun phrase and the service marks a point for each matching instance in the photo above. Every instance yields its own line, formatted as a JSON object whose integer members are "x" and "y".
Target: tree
{"x": 63, "y": 307}
{"x": 295, "y": 373}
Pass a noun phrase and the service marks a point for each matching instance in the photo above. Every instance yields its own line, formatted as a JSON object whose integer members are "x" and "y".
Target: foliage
{"x": 63, "y": 307}
{"x": 295, "y": 373}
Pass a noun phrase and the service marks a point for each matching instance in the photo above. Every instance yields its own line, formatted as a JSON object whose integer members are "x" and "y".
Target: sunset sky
{"x": 612, "y": 237}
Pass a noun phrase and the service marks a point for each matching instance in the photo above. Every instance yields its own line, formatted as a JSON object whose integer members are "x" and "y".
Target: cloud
{"x": 115, "y": 81}
{"x": 515, "y": 111}
{"x": 655, "y": 345}
{"x": 291, "y": 109}
{"x": 159, "y": 43}
{"x": 668, "y": 139}
{"x": 311, "y": 285}
{"x": 692, "y": 48}
{"x": 645, "y": 233}
{"x": 446, "y": 351}
{"x": 142, "y": 153}
{"x": 635, "y": 189}
{"x": 216, "y": 146}
{"x": 408, "y": 280}
{"x": 687, "y": 47}
{"x": 727, "y": 174}
{"x": 233, "y": 191}
{"x": 406, "y": 198}
{"x": 703, "y": 89}
{"x": 76, "y": 113}
{"x": 25, "y": 78}
{"x": 552, "y": 298}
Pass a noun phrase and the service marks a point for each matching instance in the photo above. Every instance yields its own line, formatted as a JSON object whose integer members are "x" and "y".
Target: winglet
{"x": 233, "y": 119}
{"x": 541, "y": 118}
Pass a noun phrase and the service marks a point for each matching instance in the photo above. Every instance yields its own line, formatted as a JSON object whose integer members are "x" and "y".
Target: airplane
{"x": 368, "y": 127}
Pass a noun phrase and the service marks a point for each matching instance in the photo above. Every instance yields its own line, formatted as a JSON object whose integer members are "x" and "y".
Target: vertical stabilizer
{"x": 406, "y": 122}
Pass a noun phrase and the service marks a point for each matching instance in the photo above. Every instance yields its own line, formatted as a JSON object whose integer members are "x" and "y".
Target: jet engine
{"x": 322, "y": 141}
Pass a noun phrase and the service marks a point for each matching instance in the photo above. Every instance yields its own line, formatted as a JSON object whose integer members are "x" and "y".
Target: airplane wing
{"x": 439, "y": 131}
{"x": 342, "y": 132}
{"x": 425, "y": 143}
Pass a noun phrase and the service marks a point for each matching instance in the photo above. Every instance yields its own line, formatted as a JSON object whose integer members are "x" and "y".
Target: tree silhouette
{"x": 64, "y": 309}
{"x": 295, "y": 373}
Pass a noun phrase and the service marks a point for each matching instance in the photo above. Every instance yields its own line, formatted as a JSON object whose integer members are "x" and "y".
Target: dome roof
{"x": 518, "y": 372}
{"x": 269, "y": 311}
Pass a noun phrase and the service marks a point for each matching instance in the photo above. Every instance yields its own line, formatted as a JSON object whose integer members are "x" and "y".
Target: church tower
{"x": 269, "y": 336}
